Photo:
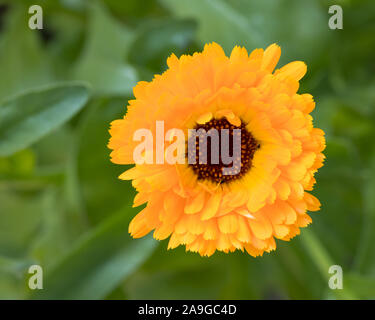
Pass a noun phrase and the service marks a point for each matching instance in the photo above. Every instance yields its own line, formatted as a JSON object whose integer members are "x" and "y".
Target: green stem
{"x": 323, "y": 261}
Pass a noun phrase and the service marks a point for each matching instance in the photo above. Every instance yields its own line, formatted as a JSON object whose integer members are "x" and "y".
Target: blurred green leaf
{"x": 341, "y": 207}
{"x": 12, "y": 281}
{"x": 363, "y": 286}
{"x": 19, "y": 164}
{"x": 323, "y": 261}
{"x": 133, "y": 9}
{"x": 55, "y": 230}
{"x": 48, "y": 150}
{"x": 293, "y": 24}
{"x": 299, "y": 27}
{"x": 365, "y": 259}
{"x": 157, "y": 39}
{"x": 102, "y": 63}
{"x": 299, "y": 277}
{"x": 20, "y": 218}
{"x": 97, "y": 264}
{"x": 178, "y": 274}
{"x": 29, "y": 116}
{"x": 102, "y": 191}
{"x": 199, "y": 283}
{"x": 218, "y": 21}
{"x": 351, "y": 50}
{"x": 362, "y": 99}
{"x": 22, "y": 59}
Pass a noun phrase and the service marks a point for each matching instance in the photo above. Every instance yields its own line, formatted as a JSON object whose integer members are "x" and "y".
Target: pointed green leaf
{"x": 28, "y": 117}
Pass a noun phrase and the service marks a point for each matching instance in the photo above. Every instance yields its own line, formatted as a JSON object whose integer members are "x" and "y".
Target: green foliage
{"x": 22, "y": 59}
{"x": 102, "y": 61}
{"x": 95, "y": 265}
{"x": 29, "y": 116}
{"x": 61, "y": 204}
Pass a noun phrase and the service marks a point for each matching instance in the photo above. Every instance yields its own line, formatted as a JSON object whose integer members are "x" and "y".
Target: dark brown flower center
{"x": 213, "y": 166}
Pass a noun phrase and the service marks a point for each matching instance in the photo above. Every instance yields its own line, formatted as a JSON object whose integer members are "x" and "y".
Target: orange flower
{"x": 194, "y": 204}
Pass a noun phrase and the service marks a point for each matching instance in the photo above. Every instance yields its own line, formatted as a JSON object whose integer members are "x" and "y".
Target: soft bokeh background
{"x": 61, "y": 204}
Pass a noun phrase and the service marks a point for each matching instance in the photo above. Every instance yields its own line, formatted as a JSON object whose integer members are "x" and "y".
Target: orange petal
{"x": 271, "y": 57}
{"x": 194, "y": 204}
{"x": 228, "y": 223}
{"x": 295, "y": 70}
{"x": 212, "y": 206}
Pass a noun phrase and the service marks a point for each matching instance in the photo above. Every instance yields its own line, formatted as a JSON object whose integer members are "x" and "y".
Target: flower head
{"x": 198, "y": 204}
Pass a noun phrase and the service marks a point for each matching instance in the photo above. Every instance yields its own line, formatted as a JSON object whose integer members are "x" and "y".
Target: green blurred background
{"x": 61, "y": 204}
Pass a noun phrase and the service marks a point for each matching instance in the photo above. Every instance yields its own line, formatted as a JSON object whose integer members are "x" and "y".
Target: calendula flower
{"x": 195, "y": 204}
